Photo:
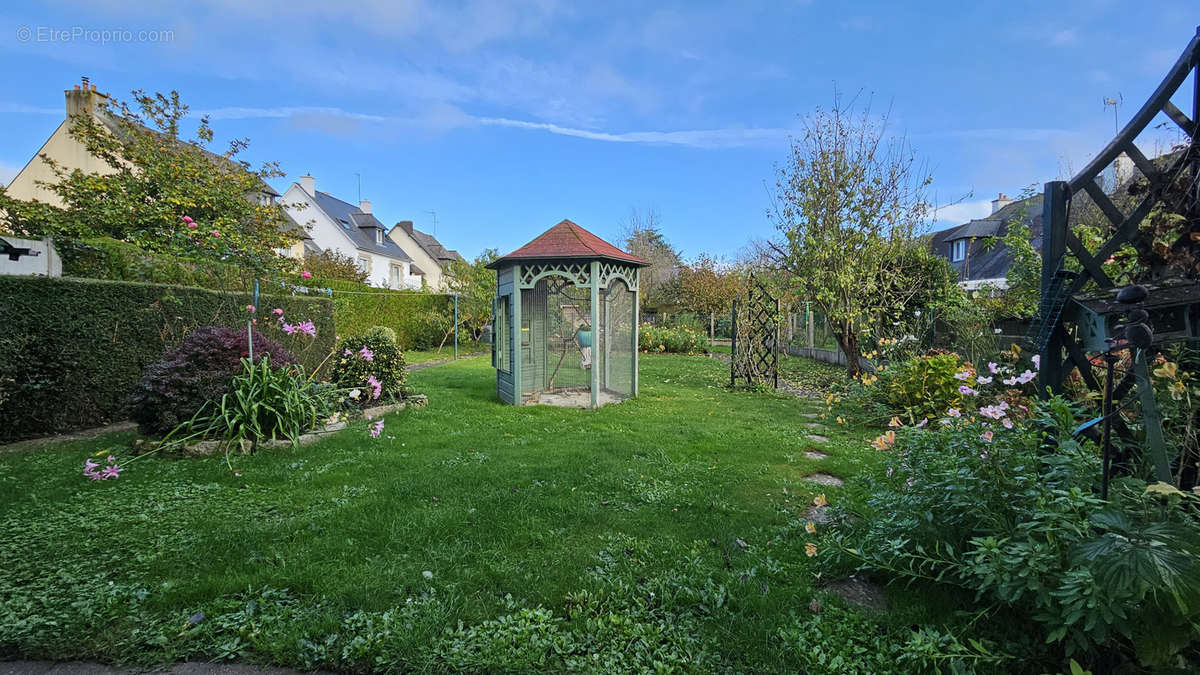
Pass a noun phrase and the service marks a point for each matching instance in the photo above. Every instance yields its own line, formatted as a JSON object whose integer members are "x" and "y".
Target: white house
{"x": 431, "y": 260}
{"x": 352, "y": 231}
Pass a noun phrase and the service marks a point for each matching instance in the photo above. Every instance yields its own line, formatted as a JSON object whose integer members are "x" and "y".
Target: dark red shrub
{"x": 200, "y": 369}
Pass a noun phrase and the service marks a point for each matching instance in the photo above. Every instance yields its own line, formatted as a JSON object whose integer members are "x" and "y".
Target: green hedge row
{"x": 419, "y": 319}
{"x": 105, "y": 258}
{"x": 71, "y": 350}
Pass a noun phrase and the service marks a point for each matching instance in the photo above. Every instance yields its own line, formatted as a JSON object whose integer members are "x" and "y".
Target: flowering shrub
{"x": 988, "y": 508}
{"x": 921, "y": 387}
{"x": 369, "y": 363}
{"x": 382, "y": 333}
{"x": 200, "y": 369}
{"x": 676, "y": 340}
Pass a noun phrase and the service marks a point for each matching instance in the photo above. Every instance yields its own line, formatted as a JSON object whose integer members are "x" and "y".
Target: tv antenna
{"x": 1115, "y": 103}
{"x": 434, "y": 214}
{"x": 359, "y": 177}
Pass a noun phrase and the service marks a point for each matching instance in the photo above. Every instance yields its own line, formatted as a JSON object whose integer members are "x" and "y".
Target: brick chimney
{"x": 308, "y": 184}
{"x": 1000, "y": 202}
{"x": 83, "y": 99}
{"x": 364, "y": 206}
{"x": 406, "y": 225}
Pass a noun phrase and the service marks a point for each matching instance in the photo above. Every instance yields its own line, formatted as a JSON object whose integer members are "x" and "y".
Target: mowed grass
{"x": 466, "y": 347}
{"x": 681, "y": 511}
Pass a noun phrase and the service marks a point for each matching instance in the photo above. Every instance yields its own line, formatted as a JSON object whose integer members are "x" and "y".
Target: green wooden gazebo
{"x": 565, "y": 327}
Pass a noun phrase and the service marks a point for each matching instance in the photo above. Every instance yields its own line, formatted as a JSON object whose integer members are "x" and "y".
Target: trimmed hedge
{"x": 419, "y": 319}
{"x": 106, "y": 258}
{"x": 72, "y": 350}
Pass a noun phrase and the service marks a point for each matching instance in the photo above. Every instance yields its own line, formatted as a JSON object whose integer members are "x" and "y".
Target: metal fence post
{"x": 733, "y": 344}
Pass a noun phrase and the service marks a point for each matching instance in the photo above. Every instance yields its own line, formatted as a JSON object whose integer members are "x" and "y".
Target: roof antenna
{"x": 359, "y": 176}
{"x": 1115, "y": 103}
{"x": 434, "y": 214}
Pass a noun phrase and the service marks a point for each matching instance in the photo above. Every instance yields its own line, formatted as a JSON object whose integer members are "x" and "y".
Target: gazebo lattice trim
{"x": 578, "y": 273}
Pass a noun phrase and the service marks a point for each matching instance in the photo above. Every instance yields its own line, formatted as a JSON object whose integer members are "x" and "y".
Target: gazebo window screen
{"x": 617, "y": 347}
{"x": 557, "y": 338}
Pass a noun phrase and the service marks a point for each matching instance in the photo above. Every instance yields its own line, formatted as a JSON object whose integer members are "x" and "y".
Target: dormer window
{"x": 379, "y": 236}
{"x": 958, "y": 250}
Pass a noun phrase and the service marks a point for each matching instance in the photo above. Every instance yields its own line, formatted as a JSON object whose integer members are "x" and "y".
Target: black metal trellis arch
{"x": 1062, "y": 351}
{"x": 754, "y": 349}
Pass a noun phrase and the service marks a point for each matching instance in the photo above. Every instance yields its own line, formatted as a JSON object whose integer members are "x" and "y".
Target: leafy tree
{"x": 475, "y": 285}
{"x": 330, "y": 264}
{"x": 644, "y": 238}
{"x": 848, "y": 203}
{"x": 157, "y": 179}
{"x": 707, "y": 286}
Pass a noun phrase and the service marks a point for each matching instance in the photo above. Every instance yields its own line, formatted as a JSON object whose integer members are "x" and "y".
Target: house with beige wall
{"x": 70, "y": 154}
{"x": 430, "y": 260}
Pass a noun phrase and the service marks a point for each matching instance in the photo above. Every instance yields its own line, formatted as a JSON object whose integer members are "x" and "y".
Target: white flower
{"x": 427, "y": 574}
{"x": 355, "y": 393}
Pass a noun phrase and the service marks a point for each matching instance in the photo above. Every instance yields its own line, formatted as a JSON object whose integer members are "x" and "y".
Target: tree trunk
{"x": 849, "y": 346}
{"x": 712, "y": 327}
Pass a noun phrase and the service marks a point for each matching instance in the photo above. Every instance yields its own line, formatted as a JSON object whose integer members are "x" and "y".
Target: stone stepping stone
{"x": 817, "y": 438}
{"x": 818, "y": 515}
{"x": 814, "y": 425}
{"x": 825, "y": 479}
{"x": 814, "y": 454}
{"x": 810, "y": 415}
{"x": 859, "y": 591}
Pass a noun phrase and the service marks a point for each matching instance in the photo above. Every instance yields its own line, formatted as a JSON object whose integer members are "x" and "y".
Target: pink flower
{"x": 1010, "y": 381}
{"x": 250, "y": 308}
{"x": 1027, "y": 376}
{"x": 305, "y": 274}
{"x": 375, "y": 385}
{"x": 993, "y": 368}
{"x": 111, "y": 471}
{"x": 216, "y": 234}
{"x": 188, "y": 220}
{"x": 367, "y": 353}
{"x": 377, "y": 429}
{"x": 963, "y": 375}
{"x": 954, "y": 412}
{"x": 923, "y": 422}
{"x": 191, "y": 226}
{"x": 89, "y": 470}
{"x": 307, "y": 328}
{"x": 984, "y": 380}
{"x": 986, "y": 436}
{"x": 1037, "y": 360}
{"x": 967, "y": 391}
{"x": 287, "y": 327}
{"x": 347, "y": 352}
{"x": 991, "y": 412}
{"x": 277, "y": 312}
{"x": 1007, "y": 423}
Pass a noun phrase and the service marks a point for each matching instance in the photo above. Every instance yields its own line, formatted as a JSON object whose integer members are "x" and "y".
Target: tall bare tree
{"x": 848, "y": 203}
{"x": 642, "y": 236}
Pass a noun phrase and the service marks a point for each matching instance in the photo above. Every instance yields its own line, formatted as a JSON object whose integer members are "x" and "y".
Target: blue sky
{"x": 504, "y": 117}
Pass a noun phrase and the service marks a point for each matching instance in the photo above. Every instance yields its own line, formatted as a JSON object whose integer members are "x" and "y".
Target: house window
{"x": 364, "y": 264}
{"x": 379, "y": 237}
{"x": 501, "y": 336}
{"x": 396, "y": 276}
{"x": 958, "y": 250}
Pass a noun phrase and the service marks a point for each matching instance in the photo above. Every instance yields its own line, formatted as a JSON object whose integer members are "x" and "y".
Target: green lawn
{"x": 471, "y": 535}
{"x": 413, "y": 356}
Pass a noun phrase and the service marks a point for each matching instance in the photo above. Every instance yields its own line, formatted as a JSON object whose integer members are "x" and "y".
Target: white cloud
{"x": 957, "y": 214}
{"x": 699, "y": 138}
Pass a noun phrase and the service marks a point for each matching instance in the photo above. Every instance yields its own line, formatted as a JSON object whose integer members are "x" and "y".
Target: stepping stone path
{"x": 815, "y": 454}
{"x": 825, "y": 479}
{"x": 817, "y": 438}
{"x": 811, "y": 416}
{"x": 814, "y": 425}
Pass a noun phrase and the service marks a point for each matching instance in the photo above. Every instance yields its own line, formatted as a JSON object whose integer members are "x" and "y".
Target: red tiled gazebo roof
{"x": 568, "y": 240}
